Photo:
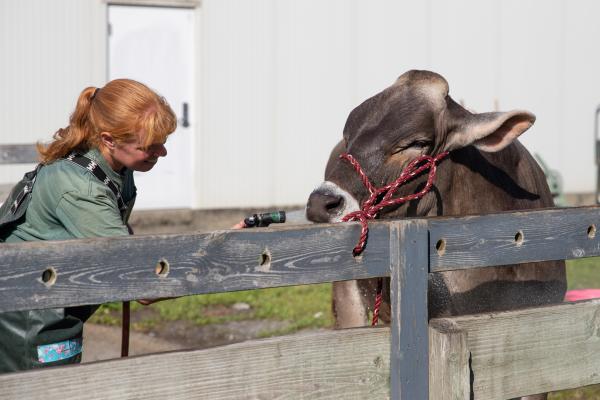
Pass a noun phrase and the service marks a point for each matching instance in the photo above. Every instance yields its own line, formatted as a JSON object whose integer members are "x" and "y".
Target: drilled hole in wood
{"x": 265, "y": 258}
{"x": 49, "y": 276}
{"x": 162, "y": 268}
{"x": 591, "y": 231}
{"x": 440, "y": 246}
{"x": 519, "y": 237}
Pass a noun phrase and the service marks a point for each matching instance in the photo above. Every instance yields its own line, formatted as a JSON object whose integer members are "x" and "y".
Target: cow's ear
{"x": 488, "y": 132}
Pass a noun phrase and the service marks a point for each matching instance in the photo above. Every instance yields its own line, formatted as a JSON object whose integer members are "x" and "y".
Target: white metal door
{"x": 154, "y": 45}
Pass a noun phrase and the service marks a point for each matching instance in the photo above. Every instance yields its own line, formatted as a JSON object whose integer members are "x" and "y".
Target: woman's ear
{"x": 107, "y": 140}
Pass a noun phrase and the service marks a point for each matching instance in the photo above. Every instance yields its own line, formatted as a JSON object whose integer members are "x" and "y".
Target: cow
{"x": 487, "y": 170}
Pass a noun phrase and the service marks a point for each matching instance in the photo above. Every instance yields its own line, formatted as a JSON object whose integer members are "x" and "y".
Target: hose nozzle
{"x": 265, "y": 219}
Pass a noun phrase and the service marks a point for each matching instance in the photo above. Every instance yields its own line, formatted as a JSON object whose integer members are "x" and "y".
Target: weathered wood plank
{"x": 551, "y": 234}
{"x": 348, "y": 364}
{"x": 409, "y": 356}
{"x": 513, "y": 353}
{"x": 93, "y": 271}
{"x": 449, "y": 373}
{"x": 534, "y": 350}
{"x": 18, "y": 154}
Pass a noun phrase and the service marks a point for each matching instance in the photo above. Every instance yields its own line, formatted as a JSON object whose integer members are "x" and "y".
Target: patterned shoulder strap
{"x": 95, "y": 169}
{"x": 25, "y": 190}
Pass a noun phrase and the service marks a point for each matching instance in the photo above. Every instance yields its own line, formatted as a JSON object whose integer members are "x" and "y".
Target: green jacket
{"x": 67, "y": 202}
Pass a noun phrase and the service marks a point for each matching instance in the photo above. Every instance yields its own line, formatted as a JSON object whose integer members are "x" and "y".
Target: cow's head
{"x": 412, "y": 117}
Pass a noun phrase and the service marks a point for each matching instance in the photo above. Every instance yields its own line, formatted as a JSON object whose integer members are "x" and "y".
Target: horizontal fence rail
{"x": 349, "y": 365}
{"x": 506, "y": 354}
{"x": 513, "y": 237}
{"x": 18, "y": 154}
{"x": 92, "y": 271}
{"x": 516, "y": 353}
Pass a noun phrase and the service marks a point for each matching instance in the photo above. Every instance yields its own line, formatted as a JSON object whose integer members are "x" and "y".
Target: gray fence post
{"x": 409, "y": 358}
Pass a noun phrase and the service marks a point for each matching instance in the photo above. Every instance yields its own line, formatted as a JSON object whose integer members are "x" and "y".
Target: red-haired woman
{"x": 84, "y": 188}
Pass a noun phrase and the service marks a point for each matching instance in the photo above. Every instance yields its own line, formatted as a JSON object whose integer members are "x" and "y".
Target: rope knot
{"x": 382, "y": 197}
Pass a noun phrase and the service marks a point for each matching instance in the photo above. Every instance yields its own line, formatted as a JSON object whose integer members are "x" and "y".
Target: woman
{"x": 116, "y": 130}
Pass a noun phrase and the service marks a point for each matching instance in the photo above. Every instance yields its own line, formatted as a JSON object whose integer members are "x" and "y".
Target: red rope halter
{"x": 371, "y": 206}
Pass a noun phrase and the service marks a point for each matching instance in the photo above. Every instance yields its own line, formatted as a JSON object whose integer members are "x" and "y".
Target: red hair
{"x": 122, "y": 107}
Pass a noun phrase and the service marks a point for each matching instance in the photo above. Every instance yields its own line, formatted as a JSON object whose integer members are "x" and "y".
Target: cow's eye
{"x": 420, "y": 144}
{"x": 414, "y": 145}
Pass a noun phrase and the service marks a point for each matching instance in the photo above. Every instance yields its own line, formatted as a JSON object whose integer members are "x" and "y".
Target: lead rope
{"x": 372, "y": 206}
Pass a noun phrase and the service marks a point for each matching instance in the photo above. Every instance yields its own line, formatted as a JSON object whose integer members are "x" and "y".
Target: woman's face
{"x": 133, "y": 156}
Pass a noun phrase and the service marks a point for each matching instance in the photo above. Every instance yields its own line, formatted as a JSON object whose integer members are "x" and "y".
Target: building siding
{"x": 276, "y": 79}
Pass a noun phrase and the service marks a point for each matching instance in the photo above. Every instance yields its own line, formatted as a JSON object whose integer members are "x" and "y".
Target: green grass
{"x": 586, "y": 393}
{"x": 583, "y": 273}
{"x": 303, "y": 307}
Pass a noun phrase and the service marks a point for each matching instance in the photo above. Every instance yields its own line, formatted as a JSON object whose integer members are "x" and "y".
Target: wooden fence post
{"x": 409, "y": 358}
{"x": 449, "y": 372}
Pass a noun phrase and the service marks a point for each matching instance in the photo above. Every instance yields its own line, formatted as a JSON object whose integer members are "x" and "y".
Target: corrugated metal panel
{"x": 237, "y": 114}
{"x": 277, "y": 78}
{"x": 580, "y": 94}
{"x": 50, "y": 51}
{"x": 278, "y": 81}
{"x": 280, "y": 77}
{"x": 500, "y": 54}
{"x": 316, "y": 88}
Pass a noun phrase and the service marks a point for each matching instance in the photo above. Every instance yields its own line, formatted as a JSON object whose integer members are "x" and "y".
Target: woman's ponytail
{"x": 76, "y": 136}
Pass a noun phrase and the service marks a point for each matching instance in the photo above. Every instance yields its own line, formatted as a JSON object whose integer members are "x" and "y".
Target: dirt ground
{"x": 104, "y": 342}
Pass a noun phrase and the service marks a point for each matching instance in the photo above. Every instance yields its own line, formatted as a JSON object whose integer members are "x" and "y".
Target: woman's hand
{"x": 239, "y": 225}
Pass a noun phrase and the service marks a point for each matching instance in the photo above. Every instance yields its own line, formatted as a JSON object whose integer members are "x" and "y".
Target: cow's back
{"x": 485, "y": 183}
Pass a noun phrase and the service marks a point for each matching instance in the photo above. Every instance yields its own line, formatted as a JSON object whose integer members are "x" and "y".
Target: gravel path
{"x": 104, "y": 342}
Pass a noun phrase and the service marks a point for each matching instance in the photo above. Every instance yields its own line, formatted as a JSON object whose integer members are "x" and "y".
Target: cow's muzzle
{"x": 329, "y": 203}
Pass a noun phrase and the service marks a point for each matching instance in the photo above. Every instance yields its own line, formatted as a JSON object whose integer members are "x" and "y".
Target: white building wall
{"x": 276, "y": 79}
{"x": 277, "y": 82}
{"x": 49, "y": 52}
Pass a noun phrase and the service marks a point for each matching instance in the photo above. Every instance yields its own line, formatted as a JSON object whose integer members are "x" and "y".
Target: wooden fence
{"x": 488, "y": 356}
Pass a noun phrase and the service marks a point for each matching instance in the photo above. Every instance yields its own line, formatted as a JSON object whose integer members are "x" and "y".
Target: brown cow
{"x": 488, "y": 170}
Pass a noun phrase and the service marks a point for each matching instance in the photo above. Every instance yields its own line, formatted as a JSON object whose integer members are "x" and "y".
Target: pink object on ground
{"x": 582, "y": 294}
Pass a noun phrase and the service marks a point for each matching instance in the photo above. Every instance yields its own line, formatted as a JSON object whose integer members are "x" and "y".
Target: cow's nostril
{"x": 334, "y": 203}
{"x": 322, "y": 207}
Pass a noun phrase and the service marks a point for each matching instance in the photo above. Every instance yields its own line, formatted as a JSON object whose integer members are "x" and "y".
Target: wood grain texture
{"x": 535, "y": 350}
{"x": 94, "y": 271}
{"x": 409, "y": 347}
{"x": 513, "y": 353}
{"x": 18, "y": 154}
{"x": 487, "y": 240}
{"x": 449, "y": 373}
{"x": 348, "y": 364}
